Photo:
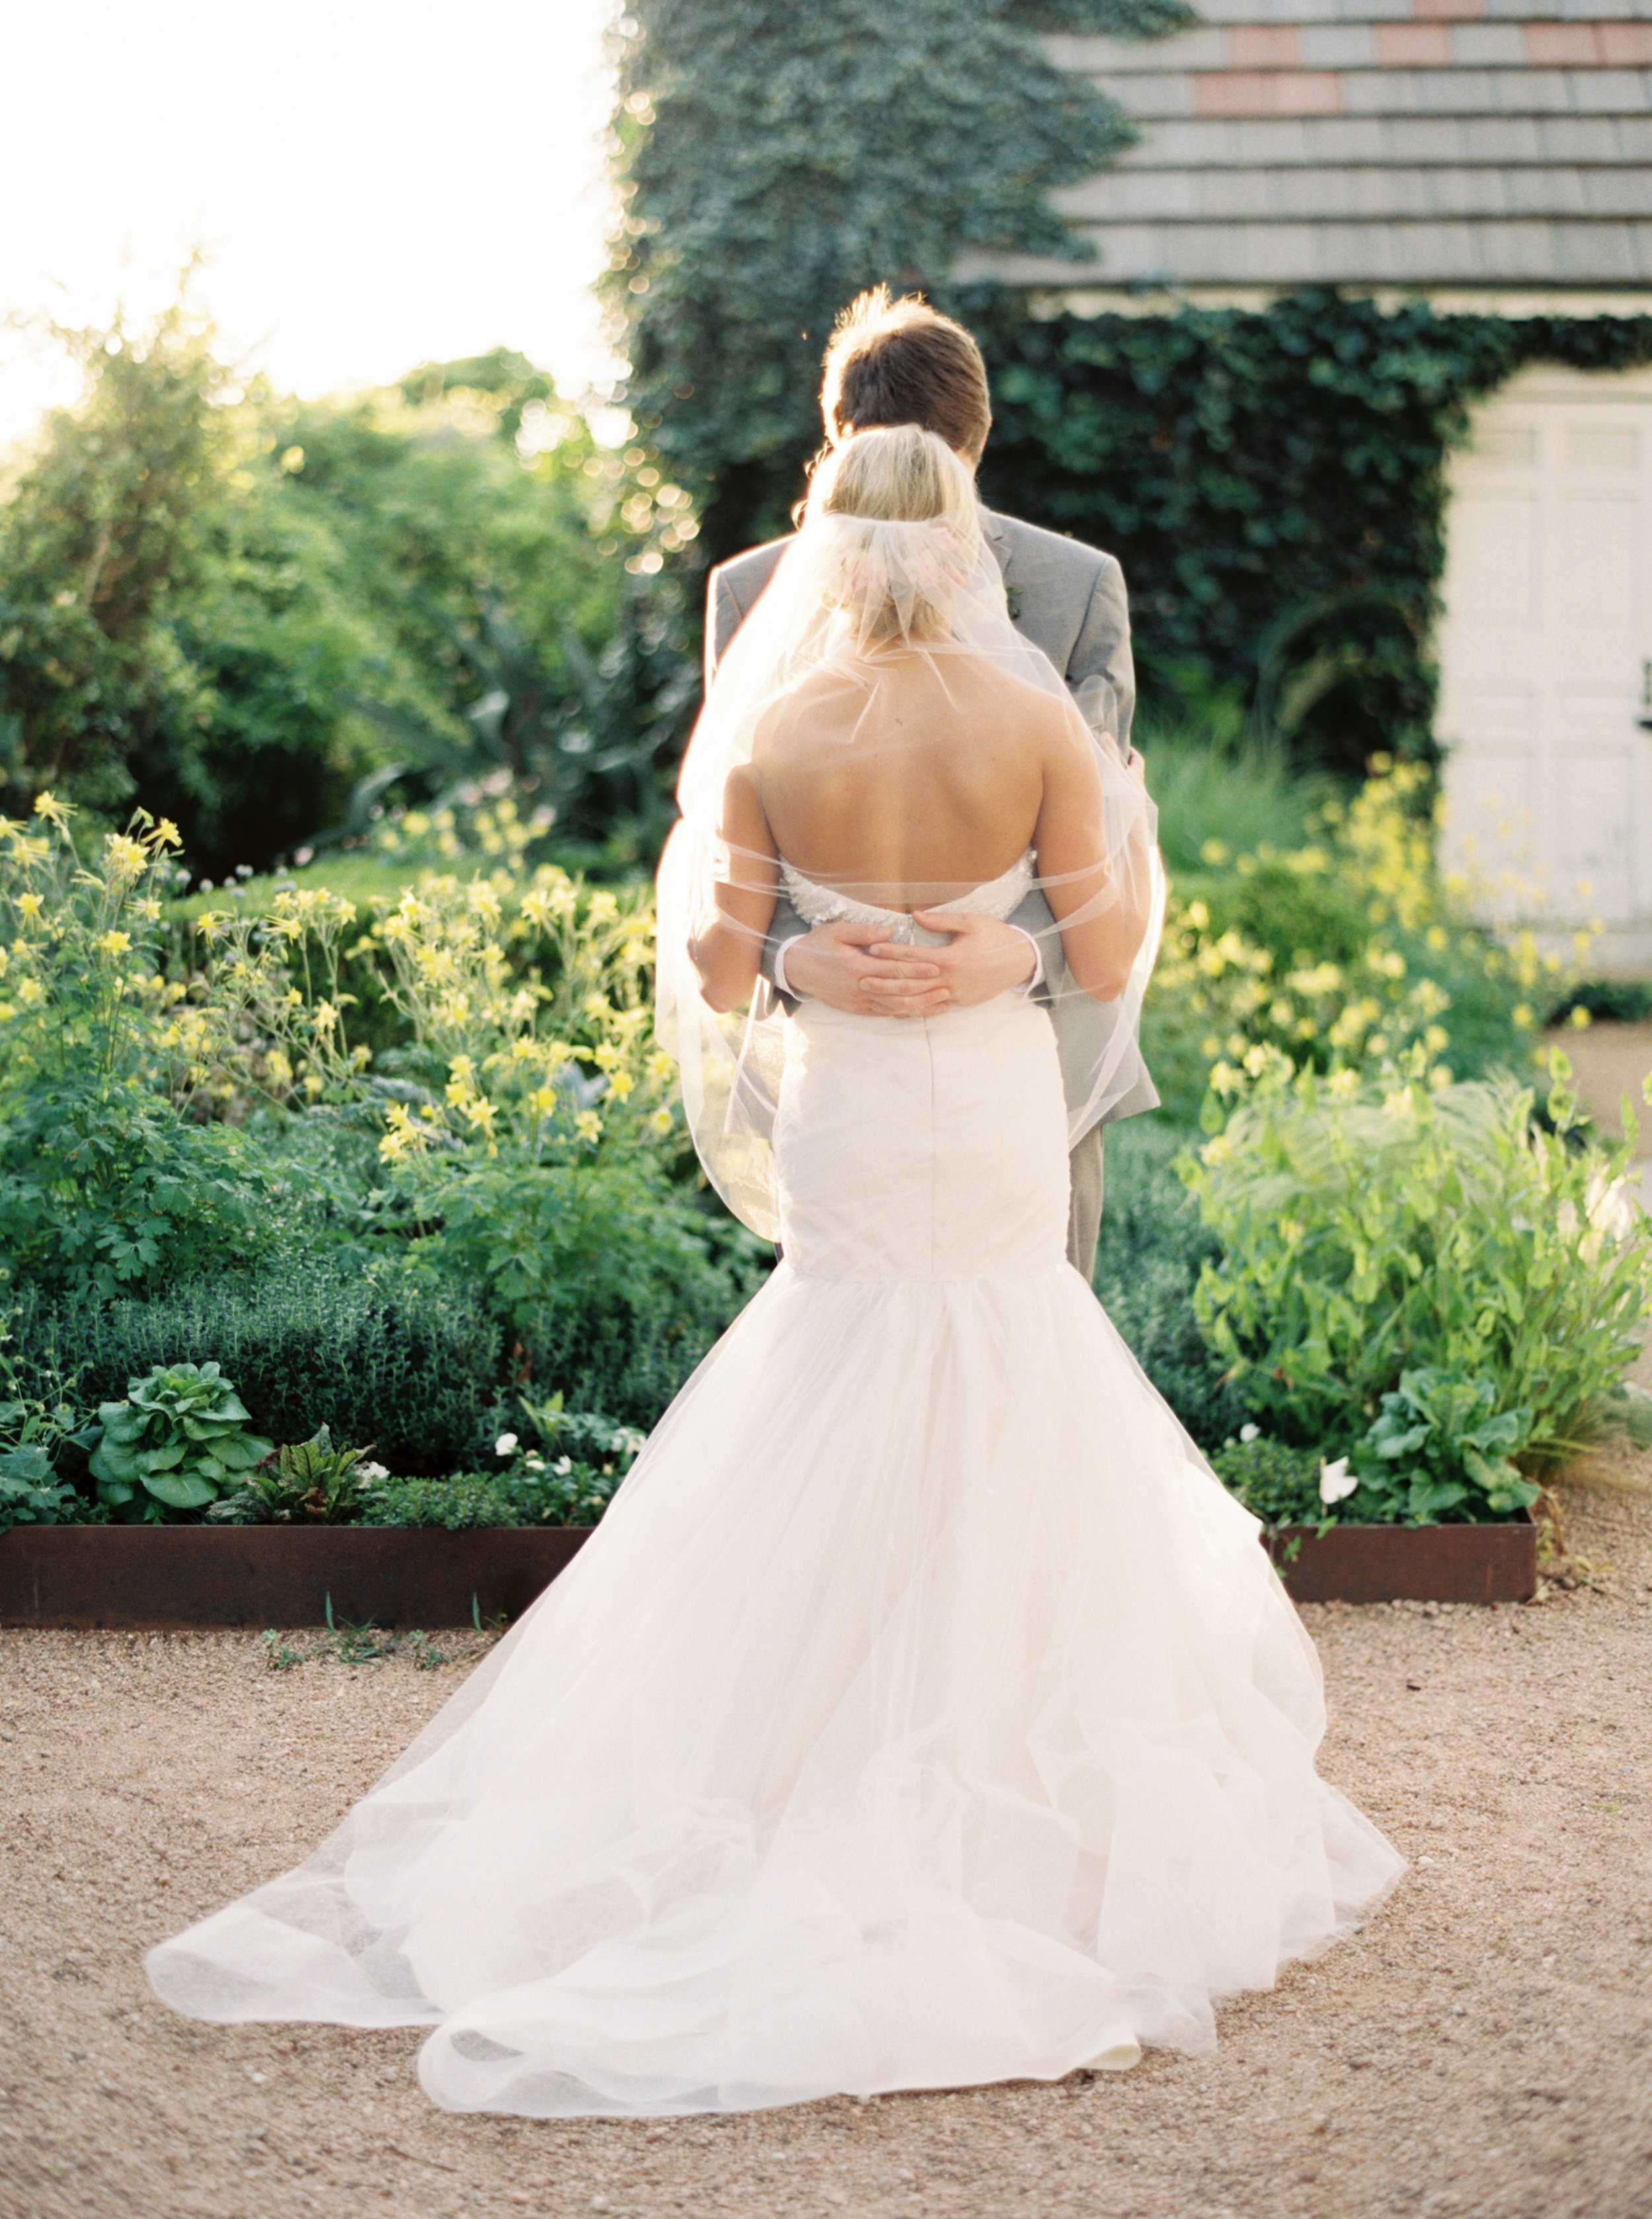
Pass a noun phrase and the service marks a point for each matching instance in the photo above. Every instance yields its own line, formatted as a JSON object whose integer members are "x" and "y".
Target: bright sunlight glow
{"x": 374, "y": 186}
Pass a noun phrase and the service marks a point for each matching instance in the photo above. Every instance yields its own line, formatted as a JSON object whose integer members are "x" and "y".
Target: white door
{"x": 1544, "y": 647}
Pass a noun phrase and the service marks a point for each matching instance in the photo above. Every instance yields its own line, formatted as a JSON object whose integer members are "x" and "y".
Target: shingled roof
{"x": 1427, "y": 144}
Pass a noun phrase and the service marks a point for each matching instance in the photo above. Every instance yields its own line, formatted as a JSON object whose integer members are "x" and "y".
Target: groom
{"x": 901, "y": 361}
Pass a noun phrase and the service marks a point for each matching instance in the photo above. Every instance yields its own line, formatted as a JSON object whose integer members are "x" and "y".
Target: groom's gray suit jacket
{"x": 1069, "y": 599}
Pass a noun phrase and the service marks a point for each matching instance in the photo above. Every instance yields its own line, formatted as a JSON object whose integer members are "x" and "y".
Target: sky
{"x": 374, "y": 185}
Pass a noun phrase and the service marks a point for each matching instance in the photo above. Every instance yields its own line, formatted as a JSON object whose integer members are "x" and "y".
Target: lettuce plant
{"x": 178, "y": 1442}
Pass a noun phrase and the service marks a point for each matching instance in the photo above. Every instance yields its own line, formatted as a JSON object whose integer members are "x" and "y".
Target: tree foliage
{"x": 252, "y": 613}
{"x": 774, "y": 161}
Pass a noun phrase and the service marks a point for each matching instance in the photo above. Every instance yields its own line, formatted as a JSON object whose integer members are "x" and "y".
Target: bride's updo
{"x": 898, "y": 509}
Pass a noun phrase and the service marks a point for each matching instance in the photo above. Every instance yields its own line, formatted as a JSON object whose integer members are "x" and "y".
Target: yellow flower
{"x": 1581, "y": 1018}
{"x": 589, "y": 1126}
{"x": 620, "y": 1084}
{"x": 55, "y": 811}
{"x": 29, "y": 906}
{"x": 166, "y": 835}
{"x": 126, "y": 859}
{"x": 660, "y": 1121}
{"x": 114, "y": 943}
{"x": 30, "y": 992}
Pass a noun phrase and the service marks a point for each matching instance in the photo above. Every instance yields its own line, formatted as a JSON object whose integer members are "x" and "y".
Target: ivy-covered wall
{"x": 1272, "y": 482}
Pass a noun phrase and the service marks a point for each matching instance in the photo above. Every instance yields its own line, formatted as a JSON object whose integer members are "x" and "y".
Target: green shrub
{"x": 1153, "y": 1247}
{"x": 106, "y": 1181}
{"x": 1278, "y": 1483}
{"x": 563, "y": 1493}
{"x": 1434, "y": 1229}
{"x": 410, "y": 1362}
{"x": 177, "y": 1441}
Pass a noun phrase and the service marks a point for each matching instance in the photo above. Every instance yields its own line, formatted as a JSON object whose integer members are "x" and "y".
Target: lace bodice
{"x": 818, "y": 904}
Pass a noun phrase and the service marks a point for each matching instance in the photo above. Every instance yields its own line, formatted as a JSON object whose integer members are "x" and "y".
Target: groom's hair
{"x": 902, "y": 362}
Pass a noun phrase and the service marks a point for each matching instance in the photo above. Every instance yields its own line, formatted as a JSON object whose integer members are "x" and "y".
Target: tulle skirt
{"x": 923, "y": 1712}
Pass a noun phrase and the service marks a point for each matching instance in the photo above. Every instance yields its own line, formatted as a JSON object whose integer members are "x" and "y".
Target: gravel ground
{"x": 1485, "y": 2047}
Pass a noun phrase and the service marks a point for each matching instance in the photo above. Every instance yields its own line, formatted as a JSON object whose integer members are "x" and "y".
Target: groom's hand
{"x": 837, "y": 964}
{"x": 983, "y": 957}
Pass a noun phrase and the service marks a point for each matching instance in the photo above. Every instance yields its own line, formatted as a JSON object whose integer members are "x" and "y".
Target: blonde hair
{"x": 900, "y": 585}
{"x": 895, "y": 474}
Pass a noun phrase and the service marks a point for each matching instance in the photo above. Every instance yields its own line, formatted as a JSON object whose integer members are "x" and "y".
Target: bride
{"x": 923, "y": 1712}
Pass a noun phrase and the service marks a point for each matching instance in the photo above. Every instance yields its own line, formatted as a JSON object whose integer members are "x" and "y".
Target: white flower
{"x": 1248, "y": 1432}
{"x": 505, "y": 1445}
{"x": 1335, "y": 1481}
{"x": 372, "y": 1472}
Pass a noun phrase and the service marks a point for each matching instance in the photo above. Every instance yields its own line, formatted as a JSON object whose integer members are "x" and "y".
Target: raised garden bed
{"x": 279, "y": 1576}
{"x": 1421, "y": 1564}
{"x": 284, "y": 1576}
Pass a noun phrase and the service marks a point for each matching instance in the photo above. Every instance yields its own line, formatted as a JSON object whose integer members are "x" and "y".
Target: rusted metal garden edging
{"x": 280, "y": 1575}
{"x": 1420, "y": 1564}
{"x": 286, "y": 1575}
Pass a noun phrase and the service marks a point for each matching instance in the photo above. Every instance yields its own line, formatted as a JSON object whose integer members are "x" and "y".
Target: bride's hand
{"x": 983, "y": 957}
{"x": 834, "y": 964}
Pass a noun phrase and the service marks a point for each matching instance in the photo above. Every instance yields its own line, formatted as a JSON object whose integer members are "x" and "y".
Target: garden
{"x": 342, "y": 1183}
{"x": 359, "y": 1195}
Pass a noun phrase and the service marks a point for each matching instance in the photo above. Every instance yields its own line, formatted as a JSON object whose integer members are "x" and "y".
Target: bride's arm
{"x": 1100, "y": 905}
{"x": 728, "y": 951}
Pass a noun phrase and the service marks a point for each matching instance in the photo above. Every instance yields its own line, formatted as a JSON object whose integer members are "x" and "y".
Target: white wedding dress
{"x": 923, "y": 1712}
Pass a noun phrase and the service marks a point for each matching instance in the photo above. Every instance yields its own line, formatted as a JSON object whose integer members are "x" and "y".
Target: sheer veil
{"x": 891, "y": 641}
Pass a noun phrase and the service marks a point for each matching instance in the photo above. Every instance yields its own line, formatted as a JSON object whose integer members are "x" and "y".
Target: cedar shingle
{"x": 1375, "y": 141}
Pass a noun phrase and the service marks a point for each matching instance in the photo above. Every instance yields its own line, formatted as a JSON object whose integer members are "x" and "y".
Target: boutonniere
{"x": 1012, "y": 594}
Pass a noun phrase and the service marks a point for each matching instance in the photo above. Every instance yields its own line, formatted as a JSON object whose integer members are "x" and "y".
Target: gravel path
{"x": 1485, "y": 2049}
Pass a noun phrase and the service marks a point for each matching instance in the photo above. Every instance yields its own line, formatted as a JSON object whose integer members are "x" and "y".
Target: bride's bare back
{"x": 906, "y": 779}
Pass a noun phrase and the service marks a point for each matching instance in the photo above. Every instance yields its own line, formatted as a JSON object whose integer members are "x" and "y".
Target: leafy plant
{"x": 177, "y": 1443}
{"x": 1370, "y": 1232}
{"x": 106, "y": 1184}
{"x": 557, "y": 1492}
{"x": 44, "y": 1434}
{"x": 30, "y": 1494}
{"x": 1280, "y": 1484}
{"x": 311, "y": 1482}
{"x": 1442, "y": 1447}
